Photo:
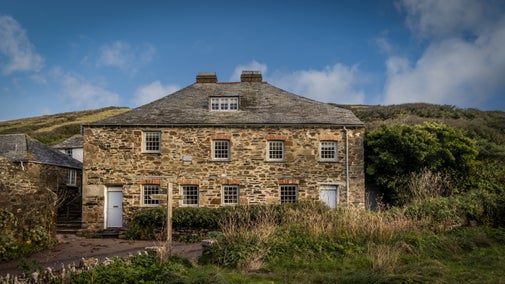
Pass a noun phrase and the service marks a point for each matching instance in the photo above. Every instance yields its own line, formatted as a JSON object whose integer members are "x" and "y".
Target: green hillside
{"x": 488, "y": 125}
{"x": 53, "y": 129}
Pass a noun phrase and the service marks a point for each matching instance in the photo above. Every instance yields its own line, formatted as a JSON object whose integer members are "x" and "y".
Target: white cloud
{"x": 338, "y": 84}
{"x": 454, "y": 69}
{"x": 83, "y": 94}
{"x": 151, "y": 92}
{"x": 121, "y": 55}
{"x": 430, "y": 18}
{"x": 118, "y": 54}
{"x": 17, "y": 53}
{"x": 252, "y": 66}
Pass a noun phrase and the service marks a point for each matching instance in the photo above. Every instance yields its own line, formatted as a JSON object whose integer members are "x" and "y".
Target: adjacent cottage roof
{"x": 76, "y": 141}
{"x": 22, "y": 148}
{"x": 259, "y": 104}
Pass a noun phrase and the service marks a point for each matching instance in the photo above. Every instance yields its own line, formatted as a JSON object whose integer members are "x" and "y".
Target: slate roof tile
{"x": 23, "y": 148}
{"x": 259, "y": 104}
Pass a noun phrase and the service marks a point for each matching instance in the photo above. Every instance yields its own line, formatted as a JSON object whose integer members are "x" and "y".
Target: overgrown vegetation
{"x": 309, "y": 243}
{"x": 15, "y": 243}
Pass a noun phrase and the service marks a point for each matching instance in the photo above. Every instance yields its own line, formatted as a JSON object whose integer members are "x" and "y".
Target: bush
{"x": 148, "y": 224}
{"x": 478, "y": 207}
{"x": 15, "y": 242}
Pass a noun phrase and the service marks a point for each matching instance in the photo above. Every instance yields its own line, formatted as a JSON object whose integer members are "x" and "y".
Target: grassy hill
{"x": 53, "y": 129}
{"x": 481, "y": 125}
{"x": 489, "y": 125}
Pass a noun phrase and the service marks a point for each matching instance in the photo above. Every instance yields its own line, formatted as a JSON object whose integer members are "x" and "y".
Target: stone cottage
{"x": 72, "y": 147}
{"x": 218, "y": 144}
{"x": 48, "y": 168}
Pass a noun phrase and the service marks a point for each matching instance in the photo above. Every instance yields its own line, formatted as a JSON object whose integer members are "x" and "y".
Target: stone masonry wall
{"x": 31, "y": 203}
{"x": 113, "y": 157}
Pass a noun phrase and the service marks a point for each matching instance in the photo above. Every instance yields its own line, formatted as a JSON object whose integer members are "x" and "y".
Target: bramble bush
{"x": 15, "y": 243}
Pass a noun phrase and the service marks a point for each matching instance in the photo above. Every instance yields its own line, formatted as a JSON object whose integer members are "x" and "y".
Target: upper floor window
{"x": 68, "y": 152}
{"x": 275, "y": 151}
{"x": 221, "y": 150}
{"x": 224, "y": 103}
{"x": 72, "y": 177}
{"x": 190, "y": 195}
{"x": 147, "y": 190}
{"x": 328, "y": 151}
{"x": 152, "y": 141}
{"x": 289, "y": 193}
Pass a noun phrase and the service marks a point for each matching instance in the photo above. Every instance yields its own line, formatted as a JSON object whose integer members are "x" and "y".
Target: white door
{"x": 114, "y": 207}
{"x": 328, "y": 194}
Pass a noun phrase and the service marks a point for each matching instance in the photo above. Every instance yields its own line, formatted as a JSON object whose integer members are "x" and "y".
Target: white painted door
{"x": 114, "y": 207}
{"x": 328, "y": 194}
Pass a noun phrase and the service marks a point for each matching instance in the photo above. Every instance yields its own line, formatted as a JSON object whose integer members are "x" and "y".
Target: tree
{"x": 395, "y": 152}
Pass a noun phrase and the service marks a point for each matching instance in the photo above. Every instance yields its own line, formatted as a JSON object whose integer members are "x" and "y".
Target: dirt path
{"x": 72, "y": 248}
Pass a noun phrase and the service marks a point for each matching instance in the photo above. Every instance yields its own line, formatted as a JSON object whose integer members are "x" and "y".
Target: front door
{"x": 114, "y": 207}
{"x": 328, "y": 194}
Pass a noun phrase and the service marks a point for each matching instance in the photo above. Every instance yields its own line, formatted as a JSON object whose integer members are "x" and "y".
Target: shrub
{"x": 15, "y": 242}
{"x": 147, "y": 224}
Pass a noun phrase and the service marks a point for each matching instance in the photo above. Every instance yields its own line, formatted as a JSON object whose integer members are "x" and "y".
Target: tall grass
{"x": 311, "y": 230}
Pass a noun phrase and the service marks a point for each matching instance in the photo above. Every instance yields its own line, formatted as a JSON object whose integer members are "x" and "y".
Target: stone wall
{"x": 31, "y": 203}
{"x": 113, "y": 157}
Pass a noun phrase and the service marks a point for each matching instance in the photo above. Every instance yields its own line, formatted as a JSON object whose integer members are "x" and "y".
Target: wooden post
{"x": 169, "y": 220}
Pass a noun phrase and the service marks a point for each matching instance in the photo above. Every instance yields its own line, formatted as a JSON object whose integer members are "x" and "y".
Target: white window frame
{"x": 69, "y": 152}
{"x": 231, "y": 194}
{"x": 149, "y": 141}
{"x": 223, "y": 104}
{"x": 186, "y": 197}
{"x": 273, "y": 151}
{"x": 325, "y": 151}
{"x": 291, "y": 198}
{"x": 147, "y": 190}
{"x": 220, "y": 153}
{"x": 72, "y": 177}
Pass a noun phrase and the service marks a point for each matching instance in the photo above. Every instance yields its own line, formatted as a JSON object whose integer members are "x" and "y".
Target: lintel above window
{"x": 224, "y": 103}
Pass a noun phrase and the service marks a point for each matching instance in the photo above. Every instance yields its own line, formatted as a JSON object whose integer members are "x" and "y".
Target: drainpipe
{"x": 346, "y": 166}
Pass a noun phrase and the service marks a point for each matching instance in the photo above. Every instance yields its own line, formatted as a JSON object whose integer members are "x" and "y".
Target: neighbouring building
{"x": 72, "y": 147}
{"x": 48, "y": 168}
{"x": 219, "y": 144}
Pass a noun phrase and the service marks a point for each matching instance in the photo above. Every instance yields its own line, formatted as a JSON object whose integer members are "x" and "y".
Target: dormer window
{"x": 224, "y": 103}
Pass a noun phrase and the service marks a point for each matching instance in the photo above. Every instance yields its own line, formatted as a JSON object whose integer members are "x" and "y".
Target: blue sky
{"x": 66, "y": 55}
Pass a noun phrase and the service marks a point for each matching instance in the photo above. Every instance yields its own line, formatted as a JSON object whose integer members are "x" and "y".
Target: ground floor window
{"x": 190, "y": 195}
{"x": 289, "y": 193}
{"x": 147, "y": 190}
{"x": 230, "y": 194}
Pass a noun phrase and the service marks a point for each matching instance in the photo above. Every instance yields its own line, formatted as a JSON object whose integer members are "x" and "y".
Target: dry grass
{"x": 383, "y": 258}
{"x": 427, "y": 184}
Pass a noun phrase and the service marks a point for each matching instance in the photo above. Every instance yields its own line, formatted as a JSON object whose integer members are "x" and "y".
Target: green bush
{"x": 478, "y": 207}
{"x": 15, "y": 242}
{"x": 143, "y": 269}
{"x": 147, "y": 224}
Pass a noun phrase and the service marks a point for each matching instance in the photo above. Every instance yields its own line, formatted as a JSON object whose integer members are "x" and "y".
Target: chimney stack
{"x": 251, "y": 76}
{"x": 206, "y": 77}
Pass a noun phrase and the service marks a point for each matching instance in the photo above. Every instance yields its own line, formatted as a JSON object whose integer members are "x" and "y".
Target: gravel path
{"x": 72, "y": 248}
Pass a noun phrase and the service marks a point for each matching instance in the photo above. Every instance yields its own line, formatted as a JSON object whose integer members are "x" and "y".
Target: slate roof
{"x": 76, "y": 141}
{"x": 259, "y": 104}
{"x": 22, "y": 148}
